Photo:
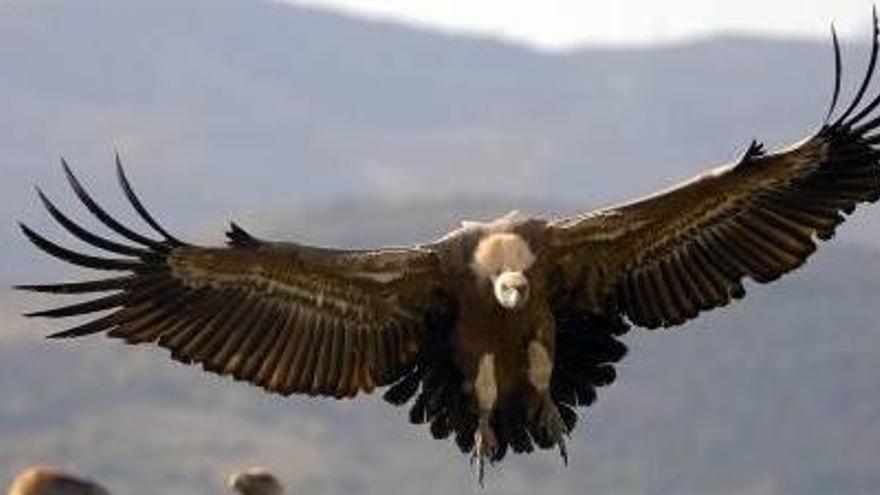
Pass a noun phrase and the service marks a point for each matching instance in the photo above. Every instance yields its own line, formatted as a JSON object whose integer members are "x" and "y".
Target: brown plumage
{"x": 255, "y": 481}
{"x": 49, "y": 481}
{"x": 498, "y": 330}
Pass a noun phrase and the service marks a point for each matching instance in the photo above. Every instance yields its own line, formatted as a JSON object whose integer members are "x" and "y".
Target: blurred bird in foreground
{"x": 50, "y": 481}
{"x": 255, "y": 481}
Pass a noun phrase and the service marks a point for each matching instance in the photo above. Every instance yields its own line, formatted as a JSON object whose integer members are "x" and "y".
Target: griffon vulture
{"x": 498, "y": 330}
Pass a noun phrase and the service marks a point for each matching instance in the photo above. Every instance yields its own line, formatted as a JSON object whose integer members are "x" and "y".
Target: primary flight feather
{"x": 497, "y": 331}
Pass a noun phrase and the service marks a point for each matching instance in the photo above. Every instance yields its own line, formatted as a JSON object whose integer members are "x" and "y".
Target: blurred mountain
{"x": 335, "y": 130}
{"x": 217, "y": 103}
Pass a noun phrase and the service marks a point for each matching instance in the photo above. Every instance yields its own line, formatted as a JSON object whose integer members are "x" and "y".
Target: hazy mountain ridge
{"x": 310, "y": 126}
{"x": 208, "y": 101}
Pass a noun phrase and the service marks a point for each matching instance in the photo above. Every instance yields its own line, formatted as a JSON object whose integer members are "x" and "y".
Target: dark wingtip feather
{"x": 68, "y": 172}
{"x": 138, "y": 206}
{"x": 239, "y": 237}
{"x": 838, "y": 71}
{"x": 42, "y": 288}
{"x": 31, "y": 234}
{"x": 105, "y": 217}
{"x": 86, "y": 236}
{"x": 80, "y": 331}
{"x": 872, "y": 64}
{"x": 870, "y": 107}
{"x": 755, "y": 150}
{"x": 401, "y": 392}
{"x": 101, "y": 285}
{"x": 73, "y": 257}
{"x": 81, "y": 308}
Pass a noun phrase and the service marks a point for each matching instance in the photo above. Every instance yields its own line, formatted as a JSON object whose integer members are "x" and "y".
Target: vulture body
{"x": 496, "y": 332}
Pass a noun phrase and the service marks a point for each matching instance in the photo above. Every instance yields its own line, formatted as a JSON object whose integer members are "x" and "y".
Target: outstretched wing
{"x": 663, "y": 259}
{"x": 287, "y": 317}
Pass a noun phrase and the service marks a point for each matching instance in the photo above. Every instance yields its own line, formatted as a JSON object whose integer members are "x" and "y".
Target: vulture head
{"x": 511, "y": 289}
{"x": 502, "y": 259}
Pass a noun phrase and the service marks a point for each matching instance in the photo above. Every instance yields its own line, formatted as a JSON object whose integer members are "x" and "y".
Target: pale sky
{"x": 559, "y": 24}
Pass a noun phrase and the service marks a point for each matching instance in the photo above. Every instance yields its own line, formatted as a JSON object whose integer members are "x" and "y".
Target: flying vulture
{"x": 498, "y": 331}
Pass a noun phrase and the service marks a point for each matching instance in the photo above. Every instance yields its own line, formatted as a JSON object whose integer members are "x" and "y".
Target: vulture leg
{"x": 547, "y": 420}
{"x": 486, "y": 390}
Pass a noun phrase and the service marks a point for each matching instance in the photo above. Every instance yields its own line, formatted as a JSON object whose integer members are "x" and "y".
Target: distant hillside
{"x": 221, "y": 107}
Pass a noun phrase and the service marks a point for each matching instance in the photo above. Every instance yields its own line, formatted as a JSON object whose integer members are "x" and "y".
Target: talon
{"x": 563, "y": 451}
{"x": 485, "y": 446}
{"x": 551, "y": 424}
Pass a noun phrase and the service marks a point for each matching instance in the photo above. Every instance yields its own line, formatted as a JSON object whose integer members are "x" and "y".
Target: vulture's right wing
{"x": 287, "y": 317}
{"x": 664, "y": 259}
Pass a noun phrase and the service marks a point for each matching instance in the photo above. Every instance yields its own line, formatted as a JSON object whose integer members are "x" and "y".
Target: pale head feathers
{"x": 502, "y": 258}
{"x": 510, "y": 217}
{"x": 502, "y": 252}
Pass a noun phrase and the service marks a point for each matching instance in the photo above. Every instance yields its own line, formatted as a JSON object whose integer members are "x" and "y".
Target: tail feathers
{"x": 587, "y": 348}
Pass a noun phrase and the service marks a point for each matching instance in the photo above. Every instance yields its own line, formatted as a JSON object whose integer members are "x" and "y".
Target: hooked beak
{"x": 511, "y": 289}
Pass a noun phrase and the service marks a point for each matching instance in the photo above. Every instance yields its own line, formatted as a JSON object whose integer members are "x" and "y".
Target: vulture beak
{"x": 511, "y": 289}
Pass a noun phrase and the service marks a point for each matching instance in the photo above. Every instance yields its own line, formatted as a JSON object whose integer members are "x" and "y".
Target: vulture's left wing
{"x": 663, "y": 259}
{"x": 287, "y": 317}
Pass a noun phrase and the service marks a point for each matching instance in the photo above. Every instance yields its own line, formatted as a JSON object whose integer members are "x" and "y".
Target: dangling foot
{"x": 547, "y": 426}
{"x": 552, "y": 427}
{"x": 485, "y": 447}
{"x": 486, "y": 392}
